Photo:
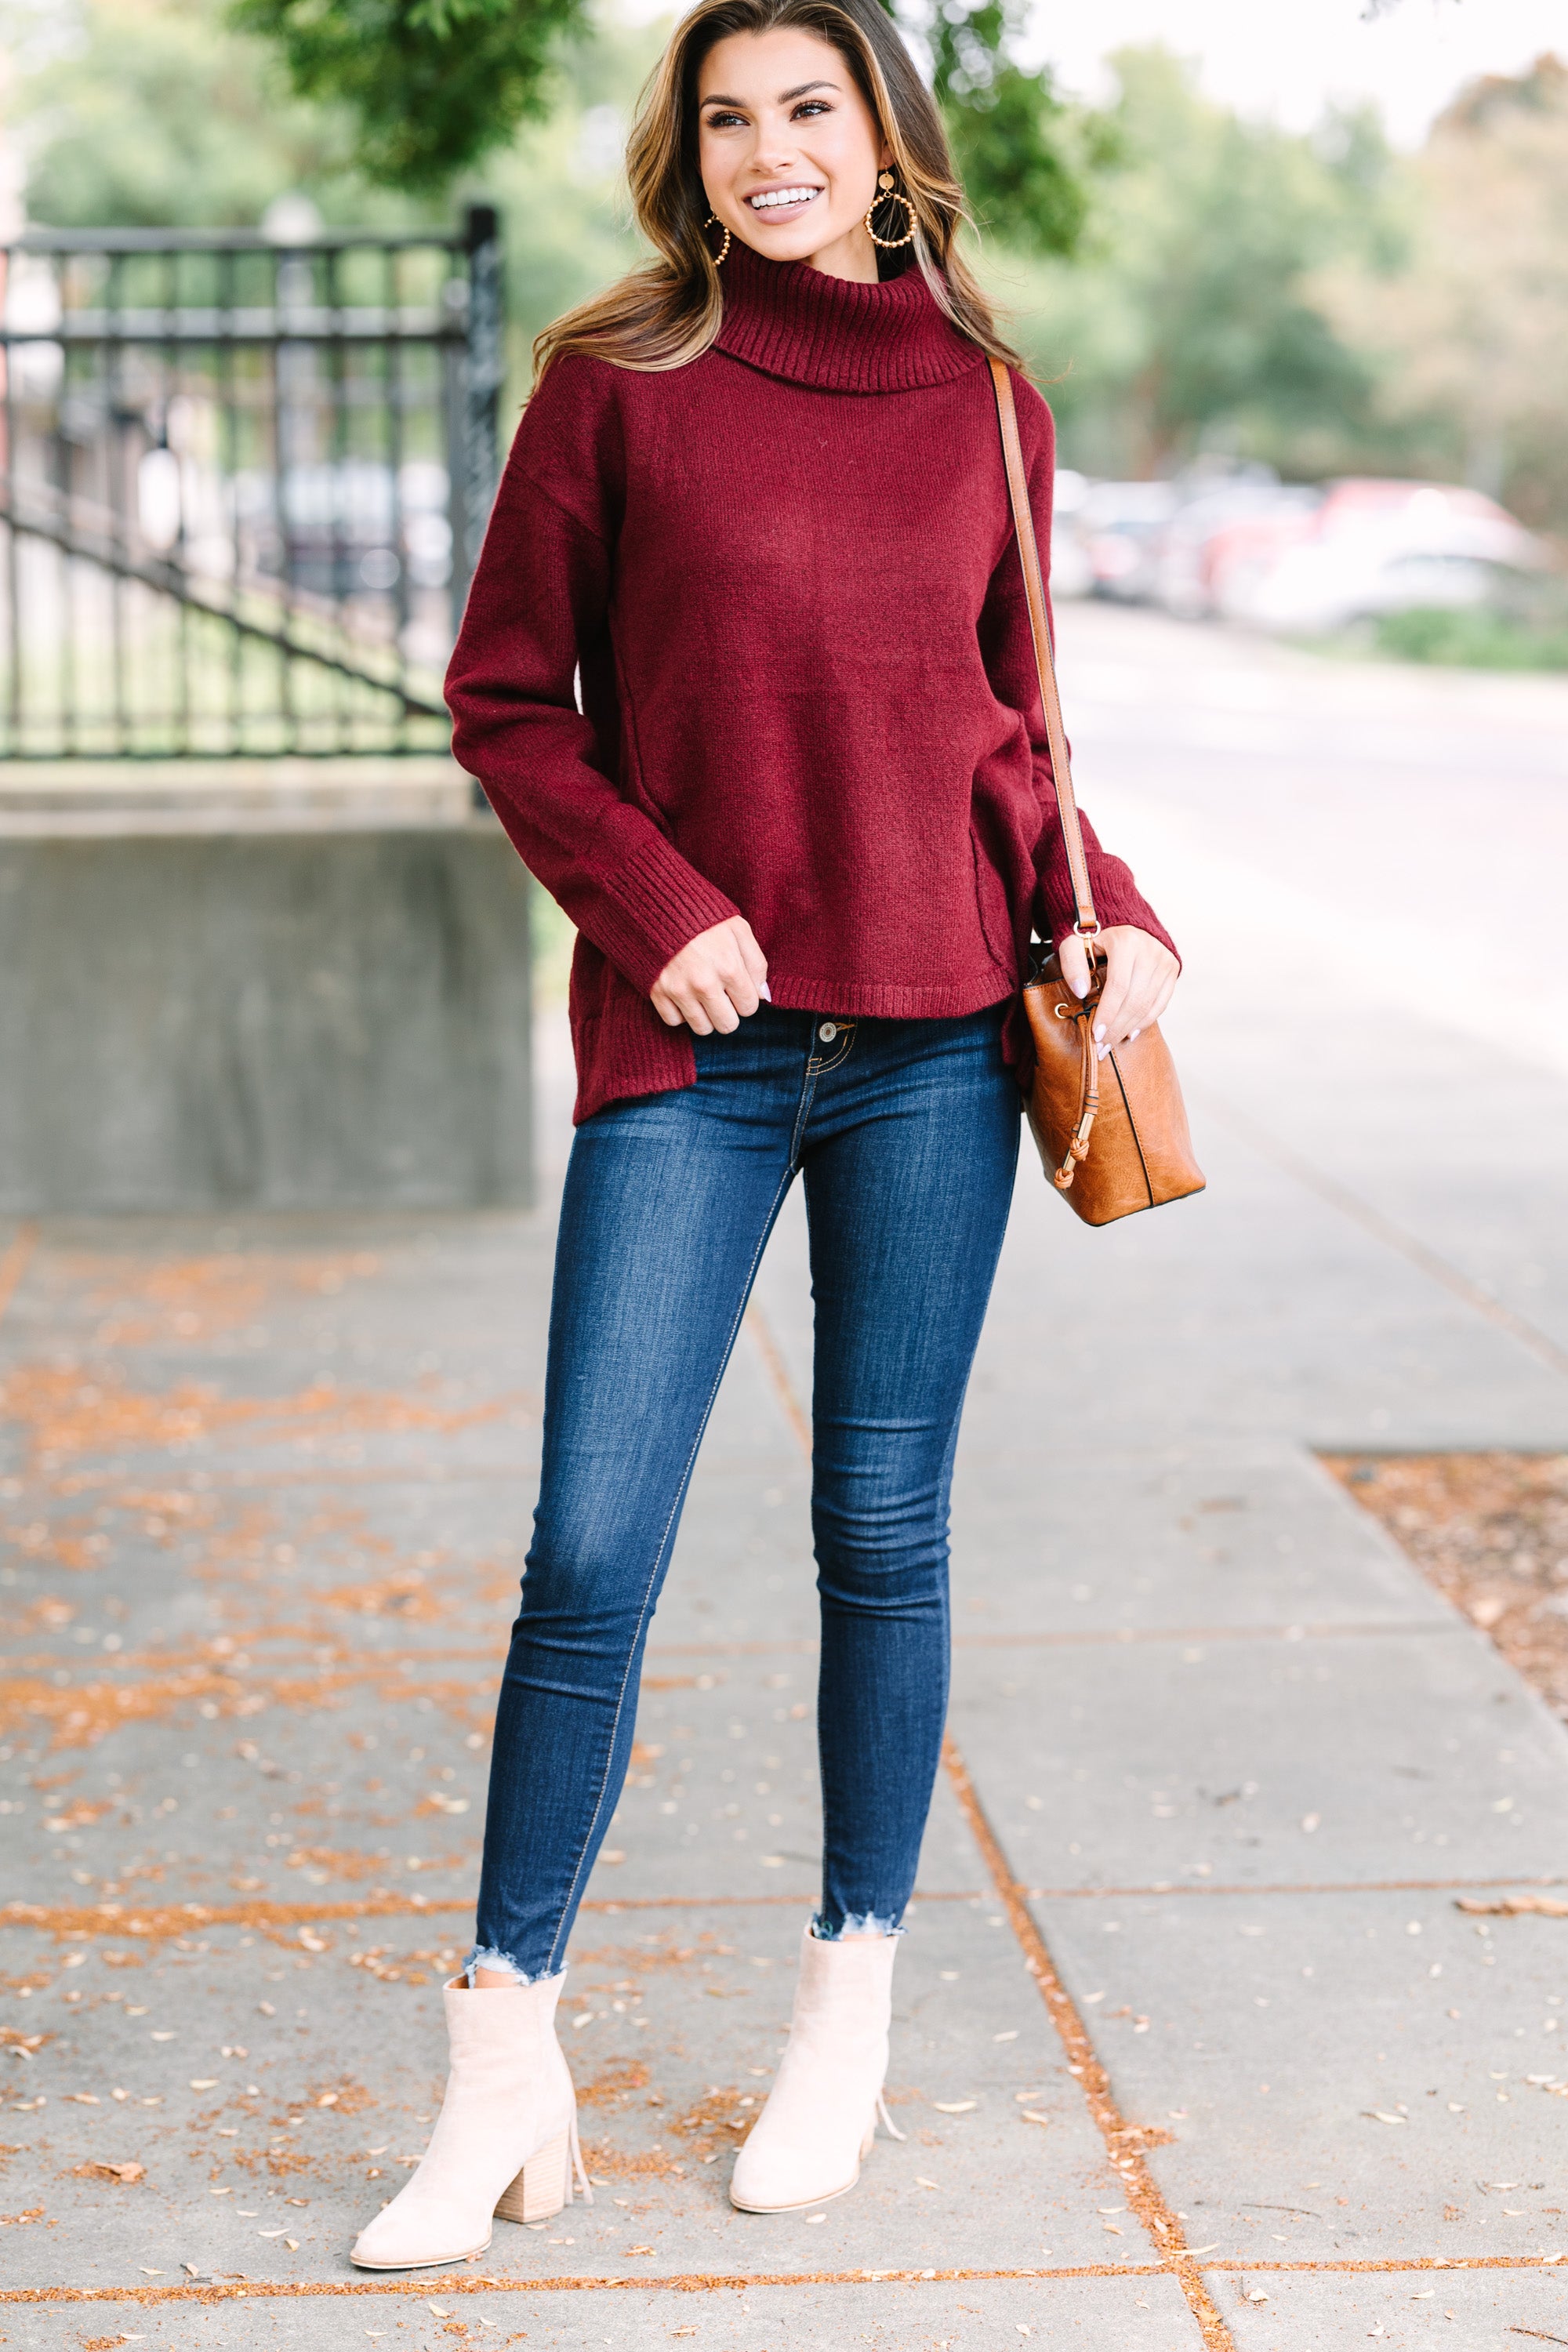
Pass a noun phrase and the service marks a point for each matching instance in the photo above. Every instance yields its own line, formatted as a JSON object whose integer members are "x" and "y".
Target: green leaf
{"x": 431, "y": 85}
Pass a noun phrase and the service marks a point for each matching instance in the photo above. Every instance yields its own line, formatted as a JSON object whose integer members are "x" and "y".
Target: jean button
{"x": 828, "y": 1031}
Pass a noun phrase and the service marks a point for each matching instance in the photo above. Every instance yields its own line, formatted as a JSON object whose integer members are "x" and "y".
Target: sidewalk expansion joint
{"x": 778, "y": 1373}
{"x": 1280, "y": 1886}
{"x": 200, "y": 1657}
{"x": 1068, "y": 1638}
{"x": 465, "y": 2282}
{"x": 1393, "y": 1237}
{"x": 234, "y": 2287}
{"x": 267, "y": 1478}
{"x": 1124, "y": 2141}
{"x": 156, "y": 1921}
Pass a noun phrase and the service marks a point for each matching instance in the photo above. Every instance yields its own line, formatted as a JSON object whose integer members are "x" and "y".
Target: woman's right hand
{"x": 716, "y": 979}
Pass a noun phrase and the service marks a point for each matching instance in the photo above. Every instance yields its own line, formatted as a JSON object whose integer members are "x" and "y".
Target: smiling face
{"x": 789, "y": 150}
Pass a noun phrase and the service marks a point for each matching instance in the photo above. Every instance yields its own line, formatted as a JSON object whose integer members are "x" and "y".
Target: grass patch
{"x": 1474, "y": 639}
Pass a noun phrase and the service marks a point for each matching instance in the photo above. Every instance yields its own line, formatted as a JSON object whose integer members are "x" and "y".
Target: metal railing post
{"x": 484, "y": 370}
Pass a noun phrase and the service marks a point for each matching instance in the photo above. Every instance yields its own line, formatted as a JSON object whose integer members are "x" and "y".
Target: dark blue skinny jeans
{"x": 907, "y": 1134}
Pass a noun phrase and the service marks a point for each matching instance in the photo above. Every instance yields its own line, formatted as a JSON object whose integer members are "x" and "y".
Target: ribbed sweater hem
{"x": 631, "y": 1053}
{"x": 880, "y": 1001}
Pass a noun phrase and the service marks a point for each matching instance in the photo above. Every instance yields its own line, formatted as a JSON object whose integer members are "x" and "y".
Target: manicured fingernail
{"x": 765, "y": 993}
{"x": 1133, "y": 1033}
{"x": 1101, "y": 1052}
{"x": 1099, "y": 1032}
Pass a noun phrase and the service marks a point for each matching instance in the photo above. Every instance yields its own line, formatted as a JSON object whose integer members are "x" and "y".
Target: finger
{"x": 754, "y": 961}
{"x": 741, "y": 990}
{"x": 1167, "y": 990}
{"x": 722, "y": 983}
{"x": 1074, "y": 965}
{"x": 1149, "y": 990}
{"x": 1150, "y": 994}
{"x": 686, "y": 997}
{"x": 1137, "y": 1008}
{"x": 668, "y": 1012}
{"x": 1109, "y": 1024}
{"x": 720, "y": 1013}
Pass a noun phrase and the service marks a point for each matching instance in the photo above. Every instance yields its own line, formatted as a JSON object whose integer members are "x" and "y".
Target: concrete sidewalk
{"x": 1193, "y": 2046}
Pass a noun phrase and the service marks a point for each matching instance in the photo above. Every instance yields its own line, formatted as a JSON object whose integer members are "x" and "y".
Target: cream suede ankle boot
{"x": 505, "y": 2138}
{"x": 821, "y": 2114}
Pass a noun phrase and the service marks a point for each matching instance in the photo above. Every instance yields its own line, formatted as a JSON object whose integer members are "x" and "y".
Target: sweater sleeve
{"x": 538, "y": 612}
{"x": 1009, "y": 651}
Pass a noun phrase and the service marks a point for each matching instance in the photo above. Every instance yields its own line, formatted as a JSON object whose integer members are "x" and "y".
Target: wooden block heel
{"x": 542, "y": 2187}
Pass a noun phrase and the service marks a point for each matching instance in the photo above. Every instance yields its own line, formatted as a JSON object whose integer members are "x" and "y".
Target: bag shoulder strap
{"x": 1035, "y": 594}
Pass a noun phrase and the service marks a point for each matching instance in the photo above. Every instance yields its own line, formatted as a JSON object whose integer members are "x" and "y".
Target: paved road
{"x": 1222, "y": 1764}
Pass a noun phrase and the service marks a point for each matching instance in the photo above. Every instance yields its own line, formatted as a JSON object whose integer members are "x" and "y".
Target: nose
{"x": 775, "y": 152}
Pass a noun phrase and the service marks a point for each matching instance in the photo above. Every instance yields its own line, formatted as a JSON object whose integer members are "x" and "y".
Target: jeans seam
{"x": 803, "y": 1110}
{"x": 663, "y": 1543}
{"x": 841, "y": 1054}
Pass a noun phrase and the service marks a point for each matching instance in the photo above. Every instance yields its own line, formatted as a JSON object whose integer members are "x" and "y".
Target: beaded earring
{"x": 887, "y": 194}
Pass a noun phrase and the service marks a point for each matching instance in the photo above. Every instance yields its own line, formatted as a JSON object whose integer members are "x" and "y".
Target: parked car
{"x": 1071, "y": 571}
{"x": 1366, "y": 548}
{"x": 1120, "y": 525}
{"x": 1183, "y": 578}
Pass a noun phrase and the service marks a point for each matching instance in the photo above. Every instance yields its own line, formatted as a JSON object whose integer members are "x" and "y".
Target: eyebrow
{"x": 716, "y": 97}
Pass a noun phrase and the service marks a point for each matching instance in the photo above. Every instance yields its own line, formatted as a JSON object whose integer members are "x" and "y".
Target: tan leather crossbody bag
{"x": 1113, "y": 1135}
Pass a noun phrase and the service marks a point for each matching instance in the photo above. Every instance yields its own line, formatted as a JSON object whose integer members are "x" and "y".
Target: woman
{"x": 746, "y": 672}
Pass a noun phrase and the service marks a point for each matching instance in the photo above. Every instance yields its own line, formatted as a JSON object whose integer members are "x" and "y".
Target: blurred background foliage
{"x": 1187, "y": 283}
{"x": 430, "y": 86}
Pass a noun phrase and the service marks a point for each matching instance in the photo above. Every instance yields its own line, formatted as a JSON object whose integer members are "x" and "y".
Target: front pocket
{"x": 988, "y": 884}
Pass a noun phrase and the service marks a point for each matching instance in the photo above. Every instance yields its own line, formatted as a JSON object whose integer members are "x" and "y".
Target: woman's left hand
{"x": 1141, "y": 976}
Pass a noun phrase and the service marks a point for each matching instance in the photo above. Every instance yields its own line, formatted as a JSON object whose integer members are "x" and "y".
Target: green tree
{"x": 1193, "y": 320}
{"x": 432, "y": 85}
{"x": 1024, "y": 155}
{"x": 1468, "y": 335}
{"x": 153, "y": 113}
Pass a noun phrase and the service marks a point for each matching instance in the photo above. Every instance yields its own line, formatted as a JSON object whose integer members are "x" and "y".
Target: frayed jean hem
{"x": 855, "y": 1923}
{"x": 482, "y": 1956}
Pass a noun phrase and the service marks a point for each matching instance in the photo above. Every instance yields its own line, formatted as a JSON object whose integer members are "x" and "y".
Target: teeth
{"x": 771, "y": 197}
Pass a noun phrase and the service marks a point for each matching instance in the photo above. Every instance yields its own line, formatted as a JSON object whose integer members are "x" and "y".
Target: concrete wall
{"x": 265, "y": 1020}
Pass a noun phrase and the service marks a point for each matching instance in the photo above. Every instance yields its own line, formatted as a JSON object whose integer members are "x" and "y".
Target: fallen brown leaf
{"x": 1509, "y": 1906}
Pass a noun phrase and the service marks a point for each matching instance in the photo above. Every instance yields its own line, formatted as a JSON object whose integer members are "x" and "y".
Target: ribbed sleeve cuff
{"x": 1117, "y": 899}
{"x": 658, "y": 902}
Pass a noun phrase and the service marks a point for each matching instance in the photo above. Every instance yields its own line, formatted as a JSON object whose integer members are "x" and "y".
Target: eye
{"x": 723, "y": 120}
{"x": 810, "y": 106}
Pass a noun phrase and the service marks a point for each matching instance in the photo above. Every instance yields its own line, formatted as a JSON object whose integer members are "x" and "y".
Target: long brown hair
{"x": 669, "y": 311}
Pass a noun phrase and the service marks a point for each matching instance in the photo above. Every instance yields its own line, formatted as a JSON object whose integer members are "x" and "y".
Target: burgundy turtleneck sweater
{"x": 784, "y": 579}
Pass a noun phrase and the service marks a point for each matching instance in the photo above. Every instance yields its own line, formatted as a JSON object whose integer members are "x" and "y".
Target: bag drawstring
{"x": 1088, "y": 1090}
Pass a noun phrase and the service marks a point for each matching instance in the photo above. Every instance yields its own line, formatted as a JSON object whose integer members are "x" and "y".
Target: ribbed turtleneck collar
{"x": 789, "y": 319}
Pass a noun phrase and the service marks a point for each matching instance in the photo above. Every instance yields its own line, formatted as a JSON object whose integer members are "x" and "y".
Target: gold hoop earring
{"x": 717, "y": 258}
{"x": 887, "y": 194}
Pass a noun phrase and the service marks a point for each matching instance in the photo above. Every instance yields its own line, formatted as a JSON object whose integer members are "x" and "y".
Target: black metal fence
{"x": 243, "y": 485}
